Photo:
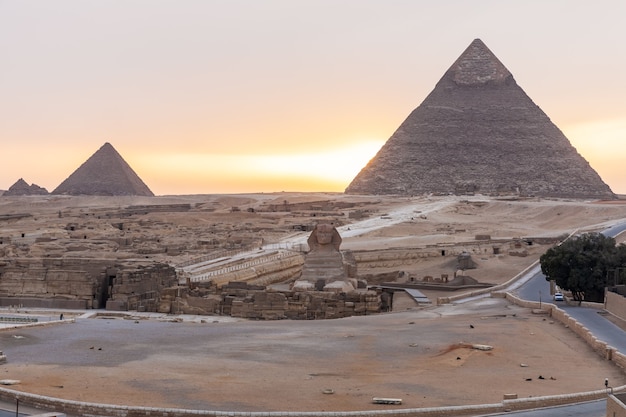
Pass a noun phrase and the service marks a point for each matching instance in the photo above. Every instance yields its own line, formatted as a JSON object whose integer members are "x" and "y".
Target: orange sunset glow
{"x": 267, "y": 96}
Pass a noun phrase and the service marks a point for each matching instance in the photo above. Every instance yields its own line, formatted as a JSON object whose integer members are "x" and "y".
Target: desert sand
{"x": 423, "y": 355}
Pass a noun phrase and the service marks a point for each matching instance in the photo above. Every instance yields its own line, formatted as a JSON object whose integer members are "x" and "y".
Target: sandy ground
{"x": 423, "y": 357}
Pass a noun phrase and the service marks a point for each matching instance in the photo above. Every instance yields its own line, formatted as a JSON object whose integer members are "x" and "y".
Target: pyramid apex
{"x": 107, "y": 147}
{"x": 478, "y": 65}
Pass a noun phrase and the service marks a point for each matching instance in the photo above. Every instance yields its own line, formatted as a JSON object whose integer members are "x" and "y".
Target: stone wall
{"x": 143, "y": 278}
{"x": 138, "y": 287}
{"x": 616, "y": 405}
{"x": 81, "y": 283}
{"x": 79, "y": 408}
{"x": 301, "y": 305}
{"x": 390, "y": 258}
{"x": 615, "y": 304}
{"x": 30, "y": 281}
{"x": 242, "y": 300}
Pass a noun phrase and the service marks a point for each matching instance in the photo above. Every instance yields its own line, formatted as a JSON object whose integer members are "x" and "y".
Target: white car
{"x": 558, "y": 296}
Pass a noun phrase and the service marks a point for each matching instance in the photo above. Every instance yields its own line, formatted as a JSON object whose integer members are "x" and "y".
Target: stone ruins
{"x": 104, "y": 173}
{"x": 173, "y": 255}
{"x": 247, "y": 256}
{"x": 478, "y": 132}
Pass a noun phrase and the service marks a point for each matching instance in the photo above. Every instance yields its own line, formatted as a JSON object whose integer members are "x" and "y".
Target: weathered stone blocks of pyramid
{"x": 478, "y": 132}
{"x": 104, "y": 173}
{"x": 21, "y": 187}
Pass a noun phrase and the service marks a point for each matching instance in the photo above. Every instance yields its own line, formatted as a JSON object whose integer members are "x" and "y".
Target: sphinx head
{"x": 324, "y": 236}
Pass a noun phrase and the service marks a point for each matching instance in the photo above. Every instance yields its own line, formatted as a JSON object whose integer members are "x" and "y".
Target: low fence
{"x": 294, "y": 247}
{"x": 18, "y": 319}
{"x": 206, "y": 276}
{"x": 79, "y": 408}
{"x": 222, "y": 253}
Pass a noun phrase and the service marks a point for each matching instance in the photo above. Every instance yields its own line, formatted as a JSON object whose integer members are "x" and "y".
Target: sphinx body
{"x": 325, "y": 267}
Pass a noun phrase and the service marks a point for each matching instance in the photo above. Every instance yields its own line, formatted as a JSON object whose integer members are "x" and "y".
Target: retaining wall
{"x": 107, "y": 410}
{"x": 493, "y": 290}
{"x": 615, "y": 406}
{"x": 616, "y": 304}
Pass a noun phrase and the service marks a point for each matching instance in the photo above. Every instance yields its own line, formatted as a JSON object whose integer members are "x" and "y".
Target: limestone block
{"x": 11, "y": 287}
{"x": 116, "y": 305}
{"x": 82, "y": 289}
{"x": 273, "y": 314}
{"x": 34, "y": 287}
{"x": 58, "y": 287}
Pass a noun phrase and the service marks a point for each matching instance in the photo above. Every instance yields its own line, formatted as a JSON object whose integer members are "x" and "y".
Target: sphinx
{"x": 325, "y": 267}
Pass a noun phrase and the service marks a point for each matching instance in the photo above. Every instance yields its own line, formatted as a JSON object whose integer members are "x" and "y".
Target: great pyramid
{"x": 104, "y": 173}
{"x": 478, "y": 132}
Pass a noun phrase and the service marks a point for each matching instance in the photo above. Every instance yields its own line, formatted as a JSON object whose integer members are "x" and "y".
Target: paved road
{"x": 615, "y": 230}
{"x": 535, "y": 287}
{"x": 589, "y": 409}
{"x": 8, "y": 409}
{"x": 601, "y": 328}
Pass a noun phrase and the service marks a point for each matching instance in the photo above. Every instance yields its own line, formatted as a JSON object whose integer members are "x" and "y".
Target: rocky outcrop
{"x": 478, "y": 132}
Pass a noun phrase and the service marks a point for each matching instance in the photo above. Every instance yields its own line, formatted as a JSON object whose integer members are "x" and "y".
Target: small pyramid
{"x": 21, "y": 187}
{"x": 104, "y": 173}
{"x": 478, "y": 132}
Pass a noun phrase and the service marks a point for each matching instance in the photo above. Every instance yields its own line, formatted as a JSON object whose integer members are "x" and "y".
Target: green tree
{"x": 617, "y": 276}
{"x": 581, "y": 264}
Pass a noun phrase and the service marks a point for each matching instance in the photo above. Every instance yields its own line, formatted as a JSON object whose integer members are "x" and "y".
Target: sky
{"x": 238, "y": 96}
